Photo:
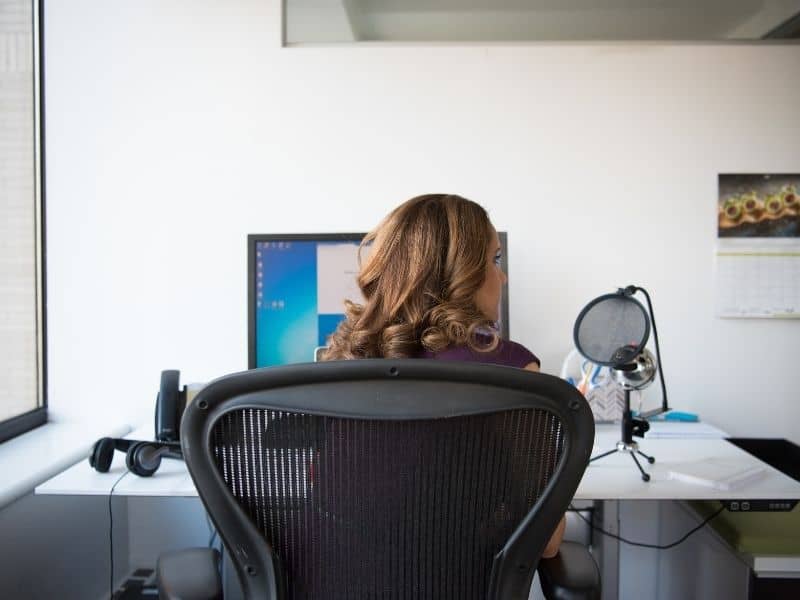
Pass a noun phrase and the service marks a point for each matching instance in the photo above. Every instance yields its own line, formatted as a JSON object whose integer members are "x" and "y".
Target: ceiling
{"x": 539, "y": 20}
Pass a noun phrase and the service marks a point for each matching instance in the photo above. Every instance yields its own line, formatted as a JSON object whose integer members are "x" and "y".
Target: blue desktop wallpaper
{"x": 288, "y": 324}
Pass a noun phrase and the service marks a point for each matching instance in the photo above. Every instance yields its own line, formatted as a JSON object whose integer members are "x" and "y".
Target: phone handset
{"x": 170, "y": 403}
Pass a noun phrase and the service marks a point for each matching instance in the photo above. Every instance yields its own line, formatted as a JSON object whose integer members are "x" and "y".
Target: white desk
{"x": 614, "y": 477}
{"x": 171, "y": 479}
{"x": 608, "y": 480}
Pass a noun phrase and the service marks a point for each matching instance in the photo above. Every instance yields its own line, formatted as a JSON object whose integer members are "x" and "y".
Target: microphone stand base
{"x": 632, "y": 448}
{"x": 630, "y": 427}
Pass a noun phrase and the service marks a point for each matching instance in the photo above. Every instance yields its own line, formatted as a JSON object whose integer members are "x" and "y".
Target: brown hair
{"x": 426, "y": 262}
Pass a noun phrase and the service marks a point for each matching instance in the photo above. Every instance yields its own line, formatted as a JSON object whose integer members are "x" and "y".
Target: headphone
{"x": 141, "y": 458}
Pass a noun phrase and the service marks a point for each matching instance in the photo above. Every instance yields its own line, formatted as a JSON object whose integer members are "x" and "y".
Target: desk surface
{"x": 612, "y": 478}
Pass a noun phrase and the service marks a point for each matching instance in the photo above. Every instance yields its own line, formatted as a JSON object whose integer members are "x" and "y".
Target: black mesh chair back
{"x": 391, "y": 479}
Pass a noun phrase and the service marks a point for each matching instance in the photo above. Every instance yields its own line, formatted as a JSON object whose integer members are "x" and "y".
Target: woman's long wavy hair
{"x": 426, "y": 262}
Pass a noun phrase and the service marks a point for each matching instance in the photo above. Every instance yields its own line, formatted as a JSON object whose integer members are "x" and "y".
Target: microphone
{"x": 623, "y": 357}
{"x": 612, "y": 330}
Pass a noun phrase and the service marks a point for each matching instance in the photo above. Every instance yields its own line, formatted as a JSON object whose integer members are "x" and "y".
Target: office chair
{"x": 396, "y": 479}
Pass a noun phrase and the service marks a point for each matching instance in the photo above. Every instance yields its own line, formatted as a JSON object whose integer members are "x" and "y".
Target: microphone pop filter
{"x": 612, "y": 330}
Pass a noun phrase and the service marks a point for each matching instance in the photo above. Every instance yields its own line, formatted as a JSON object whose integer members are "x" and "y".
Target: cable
{"x": 111, "y": 538}
{"x": 643, "y": 545}
{"x": 664, "y": 403}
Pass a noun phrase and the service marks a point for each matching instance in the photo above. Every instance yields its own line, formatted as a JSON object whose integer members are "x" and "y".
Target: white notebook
{"x": 717, "y": 472}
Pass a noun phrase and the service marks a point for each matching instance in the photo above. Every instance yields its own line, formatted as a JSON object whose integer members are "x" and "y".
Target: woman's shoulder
{"x": 508, "y": 353}
{"x": 518, "y": 354}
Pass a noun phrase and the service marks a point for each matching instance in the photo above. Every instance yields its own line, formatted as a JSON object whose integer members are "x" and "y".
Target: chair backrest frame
{"x": 386, "y": 389}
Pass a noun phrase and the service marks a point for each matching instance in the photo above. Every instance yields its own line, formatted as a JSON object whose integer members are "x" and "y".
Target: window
{"x": 22, "y": 397}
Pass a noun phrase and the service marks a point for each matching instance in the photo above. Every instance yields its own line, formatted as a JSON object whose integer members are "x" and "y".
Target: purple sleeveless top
{"x": 508, "y": 353}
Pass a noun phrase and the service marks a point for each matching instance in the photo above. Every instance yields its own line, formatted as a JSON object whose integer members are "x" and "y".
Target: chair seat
{"x": 189, "y": 574}
{"x": 572, "y": 574}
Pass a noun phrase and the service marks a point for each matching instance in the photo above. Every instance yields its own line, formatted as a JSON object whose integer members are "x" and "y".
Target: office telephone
{"x": 144, "y": 457}
{"x": 170, "y": 404}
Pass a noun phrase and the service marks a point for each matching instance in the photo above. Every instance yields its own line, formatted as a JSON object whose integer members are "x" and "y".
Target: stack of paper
{"x": 672, "y": 429}
{"x": 717, "y": 472}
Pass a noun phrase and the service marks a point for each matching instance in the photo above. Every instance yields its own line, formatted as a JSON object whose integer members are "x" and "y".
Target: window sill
{"x": 36, "y": 456}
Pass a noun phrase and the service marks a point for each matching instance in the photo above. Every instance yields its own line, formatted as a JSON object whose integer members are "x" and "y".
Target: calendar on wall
{"x": 757, "y": 262}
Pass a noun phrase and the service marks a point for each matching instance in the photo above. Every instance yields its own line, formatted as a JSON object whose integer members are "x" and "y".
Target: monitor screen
{"x": 297, "y": 284}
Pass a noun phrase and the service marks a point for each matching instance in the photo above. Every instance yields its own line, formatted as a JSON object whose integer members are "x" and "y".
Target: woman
{"x": 431, "y": 283}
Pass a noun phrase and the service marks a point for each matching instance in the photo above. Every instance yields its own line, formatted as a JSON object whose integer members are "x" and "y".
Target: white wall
{"x": 174, "y": 128}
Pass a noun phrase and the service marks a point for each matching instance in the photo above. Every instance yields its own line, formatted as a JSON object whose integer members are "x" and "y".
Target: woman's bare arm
{"x": 555, "y": 540}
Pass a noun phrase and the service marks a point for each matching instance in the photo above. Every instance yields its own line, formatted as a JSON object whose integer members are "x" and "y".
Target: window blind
{"x": 20, "y": 382}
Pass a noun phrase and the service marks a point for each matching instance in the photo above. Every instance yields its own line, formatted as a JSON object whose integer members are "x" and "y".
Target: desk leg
{"x": 640, "y": 521}
{"x": 121, "y": 538}
{"x": 607, "y": 516}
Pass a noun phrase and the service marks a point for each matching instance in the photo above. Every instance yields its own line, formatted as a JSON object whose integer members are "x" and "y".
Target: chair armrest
{"x": 189, "y": 574}
{"x": 572, "y": 574}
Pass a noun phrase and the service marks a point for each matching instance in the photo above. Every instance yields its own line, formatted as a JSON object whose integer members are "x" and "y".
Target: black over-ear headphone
{"x": 141, "y": 458}
{"x": 144, "y": 458}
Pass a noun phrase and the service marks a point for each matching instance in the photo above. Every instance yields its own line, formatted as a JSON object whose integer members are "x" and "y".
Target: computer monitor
{"x": 297, "y": 284}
